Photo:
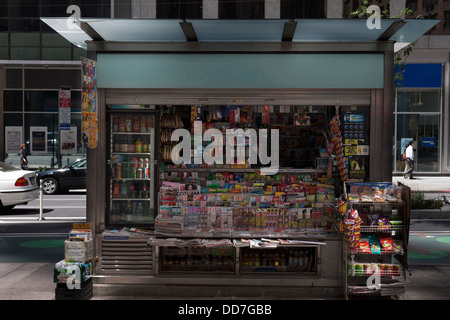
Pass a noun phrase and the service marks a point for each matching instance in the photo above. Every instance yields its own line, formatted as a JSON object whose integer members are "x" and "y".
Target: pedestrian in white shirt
{"x": 409, "y": 153}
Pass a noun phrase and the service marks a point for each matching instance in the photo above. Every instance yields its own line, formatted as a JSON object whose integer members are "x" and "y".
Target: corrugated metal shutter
{"x": 126, "y": 256}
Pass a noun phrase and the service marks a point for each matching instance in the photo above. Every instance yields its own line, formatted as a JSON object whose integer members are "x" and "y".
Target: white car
{"x": 17, "y": 186}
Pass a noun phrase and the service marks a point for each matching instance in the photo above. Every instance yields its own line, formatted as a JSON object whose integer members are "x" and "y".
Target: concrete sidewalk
{"x": 429, "y": 184}
{"x": 34, "y": 280}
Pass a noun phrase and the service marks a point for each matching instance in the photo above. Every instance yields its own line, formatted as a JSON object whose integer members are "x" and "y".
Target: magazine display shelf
{"x": 380, "y": 272}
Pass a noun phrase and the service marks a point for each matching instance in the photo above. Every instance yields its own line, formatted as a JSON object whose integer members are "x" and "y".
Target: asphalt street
{"x": 59, "y": 211}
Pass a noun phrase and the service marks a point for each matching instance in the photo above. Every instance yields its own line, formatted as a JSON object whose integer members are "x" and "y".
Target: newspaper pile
{"x": 169, "y": 225}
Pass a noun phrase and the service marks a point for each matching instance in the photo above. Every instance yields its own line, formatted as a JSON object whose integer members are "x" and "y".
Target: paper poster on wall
{"x": 404, "y": 144}
{"x": 89, "y": 128}
{"x": 68, "y": 141}
{"x": 428, "y": 142}
{"x": 38, "y": 139}
{"x": 64, "y": 108}
{"x": 13, "y": 139}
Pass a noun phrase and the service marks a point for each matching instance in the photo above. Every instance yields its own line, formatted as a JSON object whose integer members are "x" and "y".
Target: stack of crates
{"x": 73, "y": 275}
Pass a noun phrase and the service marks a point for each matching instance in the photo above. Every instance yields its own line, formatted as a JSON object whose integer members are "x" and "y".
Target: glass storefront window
{"x": 177, "y": 9}
{"x": 39, "y": 101}
{"x": 241, "y": 9}
{"x": 25, "y": 39}
{"x": 303, "y": 9}
{"x": 56, "y": 53}
{"x": 425, "y": 131}
{"x": 13, "y": 100}
{"x": 418, "y": 101}
{"x": 25, "y": 53}
{"x": 14, "y": 78}
{"x": 52, "y": 78}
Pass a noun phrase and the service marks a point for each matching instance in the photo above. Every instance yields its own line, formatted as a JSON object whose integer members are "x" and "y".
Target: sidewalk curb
{"x": 429, "y": 214}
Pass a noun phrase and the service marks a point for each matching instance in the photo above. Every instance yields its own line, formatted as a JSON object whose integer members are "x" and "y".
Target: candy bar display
{"x": 374, "y": 222}
{"x": 374, "y": 192}
{"x": 336, "y": 147}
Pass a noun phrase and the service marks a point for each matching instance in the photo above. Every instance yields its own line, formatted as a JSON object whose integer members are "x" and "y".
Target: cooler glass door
{"x": 131, "y": 169}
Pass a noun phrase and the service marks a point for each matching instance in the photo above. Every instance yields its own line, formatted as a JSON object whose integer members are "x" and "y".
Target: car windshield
{"x": 7, "y": 167}
{"x": 80, "y": 163}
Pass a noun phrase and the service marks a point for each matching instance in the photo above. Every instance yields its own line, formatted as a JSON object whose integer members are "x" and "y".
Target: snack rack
{"x": 376, "y": 253}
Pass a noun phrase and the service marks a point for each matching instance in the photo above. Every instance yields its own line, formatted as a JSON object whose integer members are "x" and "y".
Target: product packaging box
{"x": 79, "y": 250}
{"x": 69, "y": 272}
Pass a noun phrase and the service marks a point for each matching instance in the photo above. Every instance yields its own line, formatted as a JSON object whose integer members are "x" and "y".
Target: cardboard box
{"x": 79, "y": 250}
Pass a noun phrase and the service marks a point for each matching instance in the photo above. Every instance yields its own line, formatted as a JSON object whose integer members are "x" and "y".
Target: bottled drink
{"x": 115, "y": 123}
{"x": 129, "y": 212}
{"x": 123, "y": 209}
{"x": 116, "y": 189}
{"x": 138, "y": 146}
{"x": 124, "y": 189}
{"x": 122, "y": 124}
{"x": 149, "y": 123}
{"x": 136, "y": 124}
{"x": 143, "y": 125}
{"x": 140, "y": 213}
{"x": 128, "y": 125}
{"x": 118, "y": 171}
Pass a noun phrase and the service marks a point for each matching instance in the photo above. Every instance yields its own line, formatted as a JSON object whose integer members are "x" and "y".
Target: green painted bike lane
{"x": 31, "y": 248}
{"x": 430, "y": 248}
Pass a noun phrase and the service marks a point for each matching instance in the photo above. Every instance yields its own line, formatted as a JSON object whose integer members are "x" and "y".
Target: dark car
{"x": 72, "y": 176}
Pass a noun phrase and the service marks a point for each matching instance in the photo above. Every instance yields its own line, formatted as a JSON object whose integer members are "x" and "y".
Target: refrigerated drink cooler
{"x": 131, "y": 169}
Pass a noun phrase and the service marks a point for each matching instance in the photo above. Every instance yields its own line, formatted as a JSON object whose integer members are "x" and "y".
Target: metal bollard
{"x": 41, "y": 200}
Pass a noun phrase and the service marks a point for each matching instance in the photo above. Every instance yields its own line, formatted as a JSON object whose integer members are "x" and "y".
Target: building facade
{"x": 35, "y": 62}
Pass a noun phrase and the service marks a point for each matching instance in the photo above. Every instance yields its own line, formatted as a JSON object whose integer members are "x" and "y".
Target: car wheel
{"x": 50, "y": 186}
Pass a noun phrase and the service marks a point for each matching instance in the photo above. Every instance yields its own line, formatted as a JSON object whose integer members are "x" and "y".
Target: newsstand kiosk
{"x": 319, "y": 104}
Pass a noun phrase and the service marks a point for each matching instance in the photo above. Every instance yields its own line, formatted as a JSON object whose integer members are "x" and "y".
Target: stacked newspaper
{"x": 169, "y": 225}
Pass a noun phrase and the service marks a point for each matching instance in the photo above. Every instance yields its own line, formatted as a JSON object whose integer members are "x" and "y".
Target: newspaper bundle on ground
{"x": 79, "y": 245}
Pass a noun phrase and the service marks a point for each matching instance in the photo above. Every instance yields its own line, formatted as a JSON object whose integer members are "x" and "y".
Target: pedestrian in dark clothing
{"x": 23, "y": 157}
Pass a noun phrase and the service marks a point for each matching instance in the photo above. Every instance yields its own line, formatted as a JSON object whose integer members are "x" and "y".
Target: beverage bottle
{"x": 143, "y": 125}
{"x": 128, "y": 125}
{"x": 116, "y": 189}
{"x": 138, "y": 146}
{"x": 117, "y": 144}
{"x": 129, "y": 212}
{"x": 124, "y": 189}
{"x": 122, "y": 124}
{"x": 140, "y": 212}
{"x": 145, "y": 146}
{"x": 136, "y": 124}
{"x": 131, "y": 145}
{"x": 149, "y": 123}
{"x": 124, "y": 145}
{"x": 122, "y": 216}
{"x": 115, "y": 123}
{"x": 131, "y": 191}
{"x": 118, "y": 171}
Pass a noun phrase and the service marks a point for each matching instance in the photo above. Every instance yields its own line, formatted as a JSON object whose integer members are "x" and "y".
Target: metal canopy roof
{"x": 402, "y": 31}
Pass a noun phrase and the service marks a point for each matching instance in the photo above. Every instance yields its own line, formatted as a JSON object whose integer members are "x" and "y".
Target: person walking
{"x": 23, "y": 157}
{"x": 409, "y": 153}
